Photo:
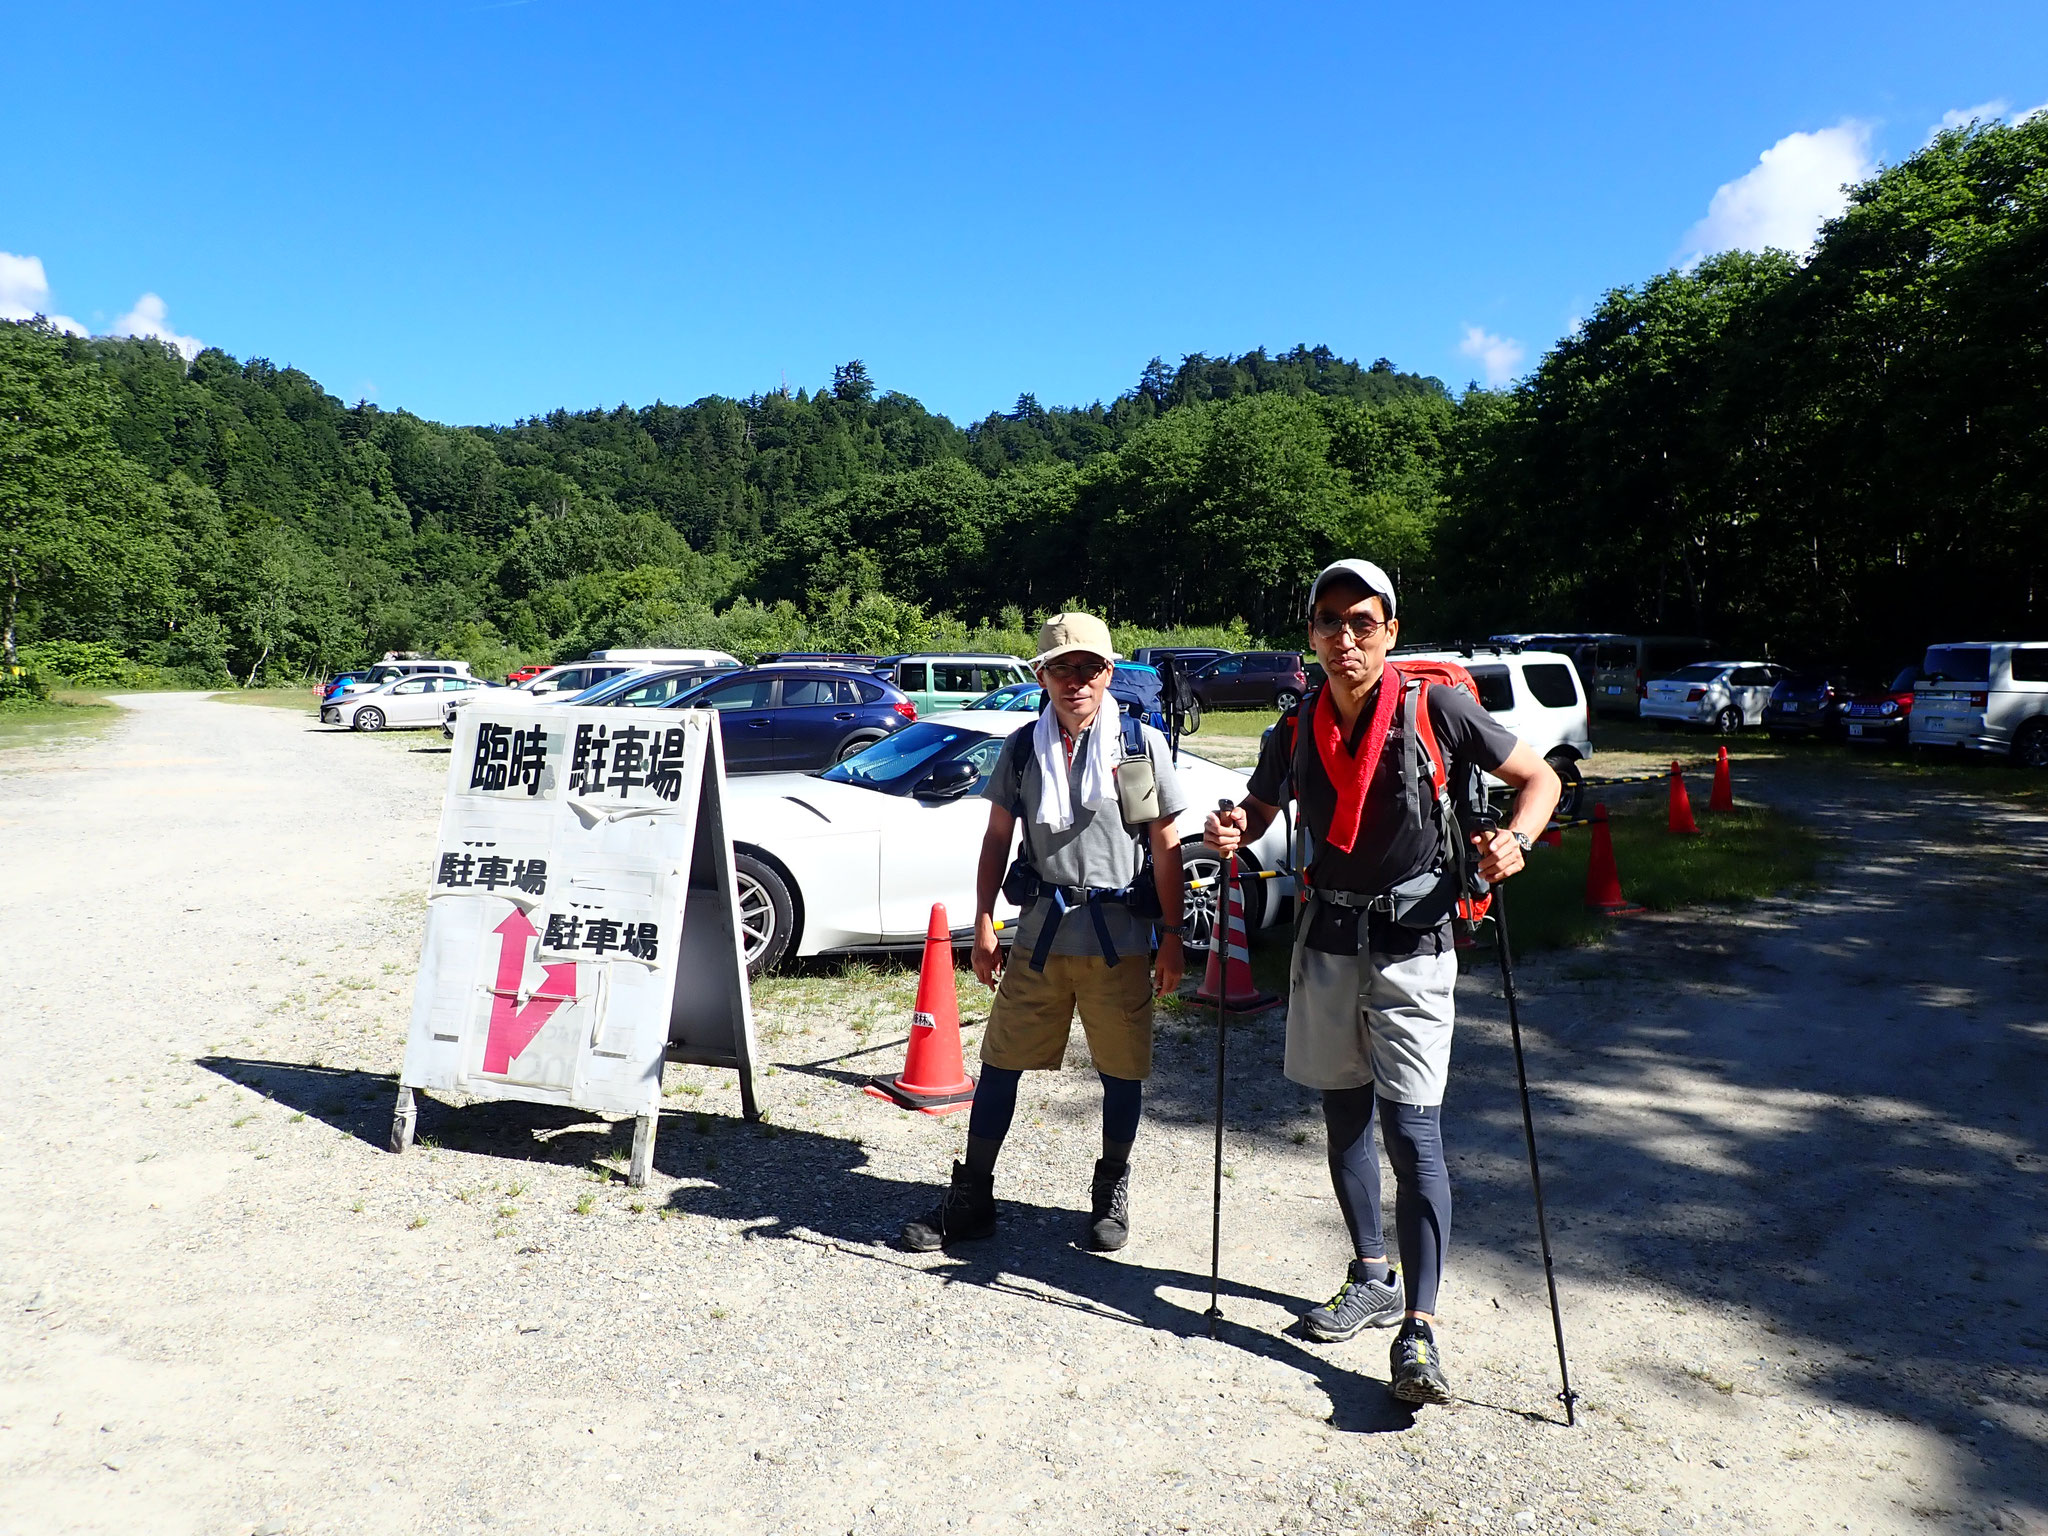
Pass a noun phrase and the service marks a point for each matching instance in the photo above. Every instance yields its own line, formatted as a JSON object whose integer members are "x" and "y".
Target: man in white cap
{"x": 1094, "y": 791}
{"x": 1369, "y": 1008}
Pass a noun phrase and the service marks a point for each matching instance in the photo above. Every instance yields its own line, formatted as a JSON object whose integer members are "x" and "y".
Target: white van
{"x": 1991, "y": 695}
{"x": 667, "y": 658}
{"x": 1536, "y": 694}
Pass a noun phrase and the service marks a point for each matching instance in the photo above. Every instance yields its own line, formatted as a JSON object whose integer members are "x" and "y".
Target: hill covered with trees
{"x": 1847, "y": 454}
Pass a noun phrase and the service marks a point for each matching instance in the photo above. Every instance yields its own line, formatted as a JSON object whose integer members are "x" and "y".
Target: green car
{"x": 937, "y": 683}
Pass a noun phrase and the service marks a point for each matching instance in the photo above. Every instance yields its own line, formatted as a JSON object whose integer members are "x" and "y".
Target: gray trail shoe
{"x": 1417, "y": 1366}
{"x": 1109, "y": 1207}
{"x": 1362, "y": 1301}
{"x": 965, "y": 1212}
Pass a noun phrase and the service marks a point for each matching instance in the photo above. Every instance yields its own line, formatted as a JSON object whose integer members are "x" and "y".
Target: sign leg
{"x": 404, "y": 1118}
{"x": 643, "y": 1150}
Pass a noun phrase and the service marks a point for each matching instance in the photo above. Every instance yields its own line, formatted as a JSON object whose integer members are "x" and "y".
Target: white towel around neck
{"x": 1103, "y": 749}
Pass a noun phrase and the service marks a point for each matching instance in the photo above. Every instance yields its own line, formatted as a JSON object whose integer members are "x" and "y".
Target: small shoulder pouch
{"x": 1137, "y": 785}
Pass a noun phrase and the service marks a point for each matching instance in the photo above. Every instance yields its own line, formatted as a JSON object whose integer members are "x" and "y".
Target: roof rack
{"x": 1462, "y": 647}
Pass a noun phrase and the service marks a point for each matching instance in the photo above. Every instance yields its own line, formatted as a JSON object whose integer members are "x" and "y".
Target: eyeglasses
{"x": 1076, "y": 671}
{"x": 1362, "y": 626}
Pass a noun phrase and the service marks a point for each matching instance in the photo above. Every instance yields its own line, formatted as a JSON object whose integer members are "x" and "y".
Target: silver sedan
{"x": 407, "y": 703}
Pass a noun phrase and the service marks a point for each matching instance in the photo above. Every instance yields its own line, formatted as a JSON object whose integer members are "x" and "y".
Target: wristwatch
{"x": 1178, "y": 930}
{"x": 1522, "y": 838}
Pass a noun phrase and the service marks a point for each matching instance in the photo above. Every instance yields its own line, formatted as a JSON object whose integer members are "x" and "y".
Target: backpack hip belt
{"x": 1358, "y": 901}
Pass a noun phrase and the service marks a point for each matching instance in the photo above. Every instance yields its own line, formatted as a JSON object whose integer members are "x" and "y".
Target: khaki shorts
{"x": 1034, "y": 1013}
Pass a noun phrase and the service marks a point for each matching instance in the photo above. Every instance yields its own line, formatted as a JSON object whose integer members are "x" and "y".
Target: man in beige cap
{"x": 1094, "y": 791}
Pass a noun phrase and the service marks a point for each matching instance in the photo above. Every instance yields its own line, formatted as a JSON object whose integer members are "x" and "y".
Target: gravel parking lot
{"x": 1795, "y": 1158}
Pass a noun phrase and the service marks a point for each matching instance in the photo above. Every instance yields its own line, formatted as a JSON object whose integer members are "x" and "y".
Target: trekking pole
{"x": 1219, "y": 933}
{"x": 1507, "y": 980}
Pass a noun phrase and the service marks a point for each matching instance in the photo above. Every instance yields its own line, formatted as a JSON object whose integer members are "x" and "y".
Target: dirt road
{"x": 1796, "y": 1160}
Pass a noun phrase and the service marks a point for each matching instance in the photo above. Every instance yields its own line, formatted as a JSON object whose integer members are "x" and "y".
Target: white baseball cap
{"x": 1373, "y": 579}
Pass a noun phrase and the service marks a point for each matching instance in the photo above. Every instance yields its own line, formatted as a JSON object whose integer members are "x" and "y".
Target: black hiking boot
{"x": 966, "y": 1210}
{"x": 1362, "y": 1301}
{"x": 1417, "y": 1368}
{"x": 1109, "y": 1207}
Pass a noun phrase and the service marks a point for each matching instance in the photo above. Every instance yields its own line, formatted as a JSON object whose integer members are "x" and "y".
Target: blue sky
{"x": 479, "y": 211}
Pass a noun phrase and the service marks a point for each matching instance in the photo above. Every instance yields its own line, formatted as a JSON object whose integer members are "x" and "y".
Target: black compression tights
{"x": 1422, "y": 1201}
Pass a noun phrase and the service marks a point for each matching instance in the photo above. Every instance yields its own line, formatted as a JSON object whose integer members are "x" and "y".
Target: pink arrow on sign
{"x": 514, "y": 1025}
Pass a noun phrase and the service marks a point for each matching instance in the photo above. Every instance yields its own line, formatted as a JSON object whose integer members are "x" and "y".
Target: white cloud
{"x": 1796, "y": 187}
{"x": 150, "y": 317}
{"x": 1962, "y": 117}
{"x": 25, "y": 292}
{"x": 1499, "y": 356}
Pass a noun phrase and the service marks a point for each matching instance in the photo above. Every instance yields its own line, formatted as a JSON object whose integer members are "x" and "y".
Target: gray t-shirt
{"x": 1094, "y": 851}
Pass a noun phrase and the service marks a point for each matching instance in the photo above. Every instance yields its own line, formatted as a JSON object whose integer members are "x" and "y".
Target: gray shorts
{"x": 1371, "y": 1018}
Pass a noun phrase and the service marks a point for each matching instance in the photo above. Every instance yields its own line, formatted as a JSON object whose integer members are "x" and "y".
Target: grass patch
{"x": 1234, "y": 722}
{"x": 66, "y": 715}
{"x": 1738, "y": 856}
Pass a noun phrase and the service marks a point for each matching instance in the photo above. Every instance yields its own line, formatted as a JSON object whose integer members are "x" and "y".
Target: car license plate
{"x": 1937, "y": 725}
{"x": 1614, "y": 688}
{"x": 1855, "y": 730}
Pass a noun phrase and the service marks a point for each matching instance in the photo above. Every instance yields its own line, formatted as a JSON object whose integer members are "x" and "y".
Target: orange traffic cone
{"x": 1229, "y": 972}
{"x": 1681, "y": 805}
{"x": 1723, "y": 797}
{"x": 1603, "y": 881}
{"x": 934, "y": 1078}
{"x": 1551, "y": 836}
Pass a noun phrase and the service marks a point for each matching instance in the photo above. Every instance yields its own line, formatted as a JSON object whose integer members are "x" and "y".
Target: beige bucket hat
{"x": 1065, "y": 632}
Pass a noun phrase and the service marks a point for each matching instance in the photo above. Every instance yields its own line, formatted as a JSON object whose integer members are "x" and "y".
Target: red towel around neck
{"x": 1352, "y": 776}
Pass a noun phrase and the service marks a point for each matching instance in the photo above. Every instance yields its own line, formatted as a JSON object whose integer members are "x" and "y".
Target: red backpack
{"x": 1455, "y": 805}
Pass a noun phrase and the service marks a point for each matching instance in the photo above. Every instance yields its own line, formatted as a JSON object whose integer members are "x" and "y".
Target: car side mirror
{"x": 948, "y": 781}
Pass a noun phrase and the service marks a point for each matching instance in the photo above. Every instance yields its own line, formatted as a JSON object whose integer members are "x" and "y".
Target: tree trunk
{"x": 251, "y": 683}
{"x": 7, "y": 655}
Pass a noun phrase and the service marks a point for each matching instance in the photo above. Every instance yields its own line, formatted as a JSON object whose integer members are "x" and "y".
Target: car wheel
{"x": 1729, "y": 721}
{"x": 1198, "y": 861}
{"x": 1574, "y": 784}
{"x": 767, "y": 914}
{"x": 369, "y": 719}
{"x": 2030, "y": 747}
{"x": 1286, "y": 699}
{"x": 858, "y": 744}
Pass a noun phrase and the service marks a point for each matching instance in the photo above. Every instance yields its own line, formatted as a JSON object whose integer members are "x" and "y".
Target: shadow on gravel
{"x": 798, "y": 1186}
{"x": 361, "y": 1103}
{"x": 1831, "y": 1121}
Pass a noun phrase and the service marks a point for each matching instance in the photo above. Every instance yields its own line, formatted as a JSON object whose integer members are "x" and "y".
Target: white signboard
{"x": 580, "y": 914}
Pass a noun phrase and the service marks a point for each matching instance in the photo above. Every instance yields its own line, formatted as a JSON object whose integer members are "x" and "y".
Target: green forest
{"x": 1844, "y": 455}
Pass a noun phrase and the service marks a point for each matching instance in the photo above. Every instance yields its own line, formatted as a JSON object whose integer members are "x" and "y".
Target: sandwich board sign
{"x": 582, "y": 917}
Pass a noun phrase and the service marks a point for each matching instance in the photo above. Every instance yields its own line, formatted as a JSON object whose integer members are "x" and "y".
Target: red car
{"x": 1886, "y": 715}
{"x": 514, "y": 679}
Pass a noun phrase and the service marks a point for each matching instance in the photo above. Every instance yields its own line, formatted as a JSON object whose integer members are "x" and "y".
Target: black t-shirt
{"x": 1394, "y": 842}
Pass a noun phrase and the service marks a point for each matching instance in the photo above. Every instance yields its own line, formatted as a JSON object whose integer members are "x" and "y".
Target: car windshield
{"x": 893, "y": 759}
{"x": 1904, "y": 682}
{"x": 1959, "y": 664}
{"x": 1706, "y": 672}
{"x": 1017, "y": 696}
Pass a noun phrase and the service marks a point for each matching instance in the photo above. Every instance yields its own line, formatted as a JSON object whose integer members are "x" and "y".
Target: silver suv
{"x": 1989, "y": 695}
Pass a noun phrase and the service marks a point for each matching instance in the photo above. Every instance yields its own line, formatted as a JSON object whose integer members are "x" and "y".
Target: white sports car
{"x": 851, "y": 859}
